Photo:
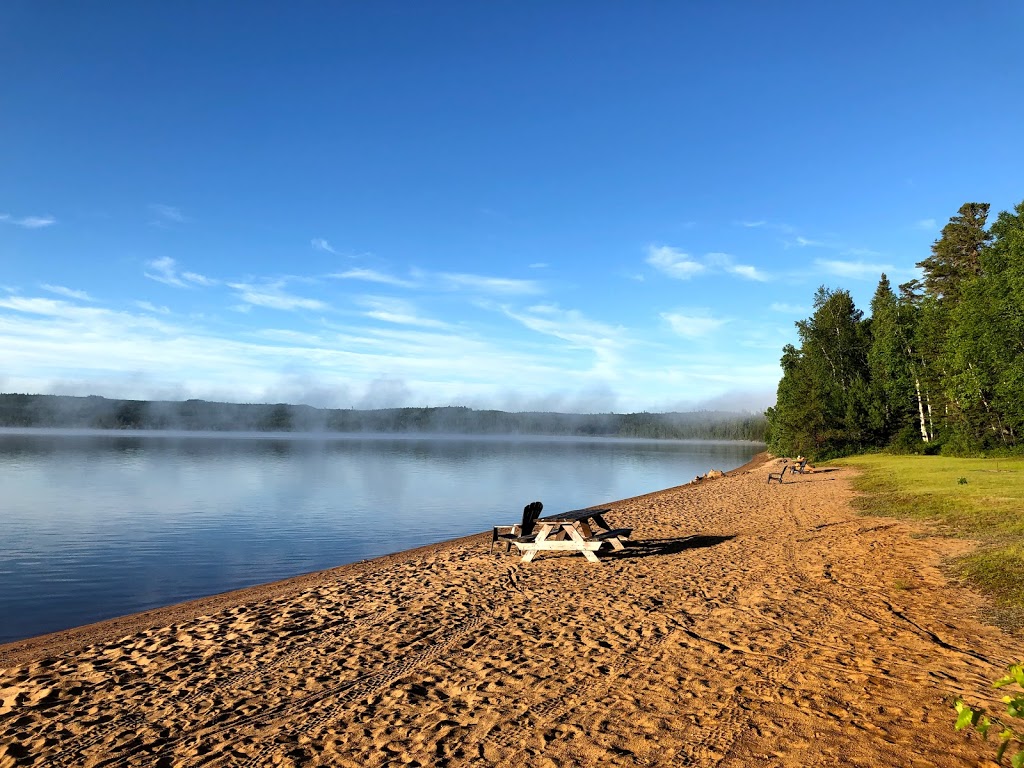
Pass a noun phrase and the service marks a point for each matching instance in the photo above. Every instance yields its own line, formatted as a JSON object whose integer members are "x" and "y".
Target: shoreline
{"x": 105, "y": 630}
{"x": 747, "y": 623}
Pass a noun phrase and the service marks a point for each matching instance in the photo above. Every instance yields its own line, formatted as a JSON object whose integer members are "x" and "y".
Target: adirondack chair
{"x": 509, "y": 533}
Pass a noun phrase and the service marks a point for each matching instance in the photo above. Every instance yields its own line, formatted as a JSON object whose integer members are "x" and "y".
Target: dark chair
{"x": 798, "y": 468}
{"x": 778, "y": 475}
{"x": 509, "y": 533}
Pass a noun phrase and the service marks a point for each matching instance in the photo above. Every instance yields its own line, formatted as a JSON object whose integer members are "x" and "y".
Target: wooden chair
{"x": 798, "y": 467}
{"x": 777, "y": 476}
{"x": 509, "y": 533}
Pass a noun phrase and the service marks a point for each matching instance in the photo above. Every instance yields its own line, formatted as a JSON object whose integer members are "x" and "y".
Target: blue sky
{"x": 578, "y": 206}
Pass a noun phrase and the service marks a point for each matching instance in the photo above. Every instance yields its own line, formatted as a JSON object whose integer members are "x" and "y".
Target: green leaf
{"x": 1015, "y": 674}
{"x": 1002, "y": 747}
{"x": 1014, "y": 706}
{"x": 1017, "y": 761}
{"x": 966, "y": 716}
{"x": 983, "y": 726}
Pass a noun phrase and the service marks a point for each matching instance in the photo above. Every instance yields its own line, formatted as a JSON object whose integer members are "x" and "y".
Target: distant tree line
{"x": 94, "y": 412}
{"x": 938, "y": 366}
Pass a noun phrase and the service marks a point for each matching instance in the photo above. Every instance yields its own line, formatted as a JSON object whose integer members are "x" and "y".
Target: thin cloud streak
{"x": 682, "y": 266}
{"x": 165, "y": 270}
{"x": 149, "y": 307}
{"x": 372, "y": 276}
{"x": 168, "y": 213}
{"x": 319, "y": 244}
{"x": 396, "y": 311}
{"x": 857, "y": 270}
{"x": 272, "y": 297}
{"x": 484, "y": 284}
{"x": 673, "y": 262}
{"x": 70, "y": 293}
{"x": 692, "y": 325}
{"x": 29, "y": 222}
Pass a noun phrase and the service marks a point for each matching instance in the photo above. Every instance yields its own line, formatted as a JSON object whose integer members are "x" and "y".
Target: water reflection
{"x": 99, "y": 524}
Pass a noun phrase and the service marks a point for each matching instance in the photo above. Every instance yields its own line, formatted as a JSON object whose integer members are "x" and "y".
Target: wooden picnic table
{"x": 582, "y": 531}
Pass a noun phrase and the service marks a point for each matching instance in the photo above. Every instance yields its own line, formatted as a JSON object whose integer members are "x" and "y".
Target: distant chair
{"x": 777, "y": 476}
{"x": 509, "y": 533}
{"x": 799, "y": 466}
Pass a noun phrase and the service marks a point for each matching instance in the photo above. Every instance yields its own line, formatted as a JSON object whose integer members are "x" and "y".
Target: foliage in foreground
{"x": 1008, "y": 734}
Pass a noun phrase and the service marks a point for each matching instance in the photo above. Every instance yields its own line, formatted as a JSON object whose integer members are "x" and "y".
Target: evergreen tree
{"x": 823, "y": 402}
{"x": 956, "y": 255}
{"x": 893, "y": 397}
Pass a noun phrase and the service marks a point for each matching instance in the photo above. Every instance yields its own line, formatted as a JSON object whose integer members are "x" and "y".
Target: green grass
{"x": 988, "y": 507}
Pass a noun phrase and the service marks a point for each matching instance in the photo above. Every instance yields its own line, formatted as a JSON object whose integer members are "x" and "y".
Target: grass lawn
{"x": 980, "y": 499}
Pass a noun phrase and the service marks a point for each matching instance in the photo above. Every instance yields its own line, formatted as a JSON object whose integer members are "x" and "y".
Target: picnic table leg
{"x": 575, "y": 536}
{"x": 541, "y": 536}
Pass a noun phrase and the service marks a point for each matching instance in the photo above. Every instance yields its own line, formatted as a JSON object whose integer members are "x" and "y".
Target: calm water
{"x": 95, "y": 525}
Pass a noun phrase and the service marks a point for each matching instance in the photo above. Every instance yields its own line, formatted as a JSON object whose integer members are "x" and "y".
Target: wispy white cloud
{"x": 862, "y": 252}
{"x": 749, "y": 272}
{"x": 485, "y": 284}
{"x": 198, "y": 279}
{"x": 725, "y": 262}
{"x": 858, "y": 270}
{"x": 397, "y": 311}
{"x": 148, "y": 307}
{"x": 29, "y": 222}
{"x": 789, "y": 309}
{"x": 775, "y": 226}
{"x": 682, "y": 266}
{"x": 806, "y": 242}
{"x": 70, "y": 293}
{"x": 692, "y": 324}
{"x": 570, "y": 325}
{"x": 165, "y": 270}
{"x": 319, "y": 244}
{"x": 373, "y": 276}
{"x": 272, "y": 296}
{"x": 391, "y": 353}
{"x": 539, "y": 265}
{"x": 167, "y": 214}
{"x": 926, "y": 224}
{"x": 673, "y": 262}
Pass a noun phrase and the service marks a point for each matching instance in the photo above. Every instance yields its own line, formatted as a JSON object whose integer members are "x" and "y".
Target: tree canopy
{"x": 939, "y": 366}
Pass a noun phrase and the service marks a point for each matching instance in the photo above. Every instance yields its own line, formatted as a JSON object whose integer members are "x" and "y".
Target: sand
{"x": 748, "y": 625}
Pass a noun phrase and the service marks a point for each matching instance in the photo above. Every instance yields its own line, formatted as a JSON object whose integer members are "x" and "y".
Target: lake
{"x": 100, "y": 524}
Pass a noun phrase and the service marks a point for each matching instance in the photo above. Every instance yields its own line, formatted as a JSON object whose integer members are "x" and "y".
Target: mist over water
{"x": 99, "y": 524}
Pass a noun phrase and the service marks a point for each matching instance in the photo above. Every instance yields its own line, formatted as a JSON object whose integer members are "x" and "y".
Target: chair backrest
{"x": 530, "y": 514}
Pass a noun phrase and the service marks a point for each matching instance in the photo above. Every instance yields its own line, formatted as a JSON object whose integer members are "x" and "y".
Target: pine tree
{"x": 894, "y": 399}
{"x": 956, "y": 255}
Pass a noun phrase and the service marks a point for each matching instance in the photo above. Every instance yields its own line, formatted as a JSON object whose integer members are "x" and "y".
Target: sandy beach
{"x": 747, "y": 625}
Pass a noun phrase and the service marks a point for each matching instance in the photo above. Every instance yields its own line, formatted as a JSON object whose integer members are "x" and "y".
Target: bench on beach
{"x": 614, "y": 537}
{"x": 520, "y": 532}
{"x": 777, "y": 476}
{"x": 584, "y": 531}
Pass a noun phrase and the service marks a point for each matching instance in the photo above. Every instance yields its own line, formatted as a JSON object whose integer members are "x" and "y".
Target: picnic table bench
{"x": 584, "y": 531}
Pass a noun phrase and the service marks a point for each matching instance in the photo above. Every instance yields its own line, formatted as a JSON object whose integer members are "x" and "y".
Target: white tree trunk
{"x": 920, "y": 409}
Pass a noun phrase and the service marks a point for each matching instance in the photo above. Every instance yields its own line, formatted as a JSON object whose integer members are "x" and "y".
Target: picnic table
{"x": 584, "y": 531}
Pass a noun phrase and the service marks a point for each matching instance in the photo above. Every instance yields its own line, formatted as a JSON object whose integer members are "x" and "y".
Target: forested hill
{"x": 101, "y": 413}
{"x": 938, "y": 366}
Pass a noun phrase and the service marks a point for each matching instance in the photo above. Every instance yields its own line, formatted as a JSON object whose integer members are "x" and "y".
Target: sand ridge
{"x": 747, "y": 625}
